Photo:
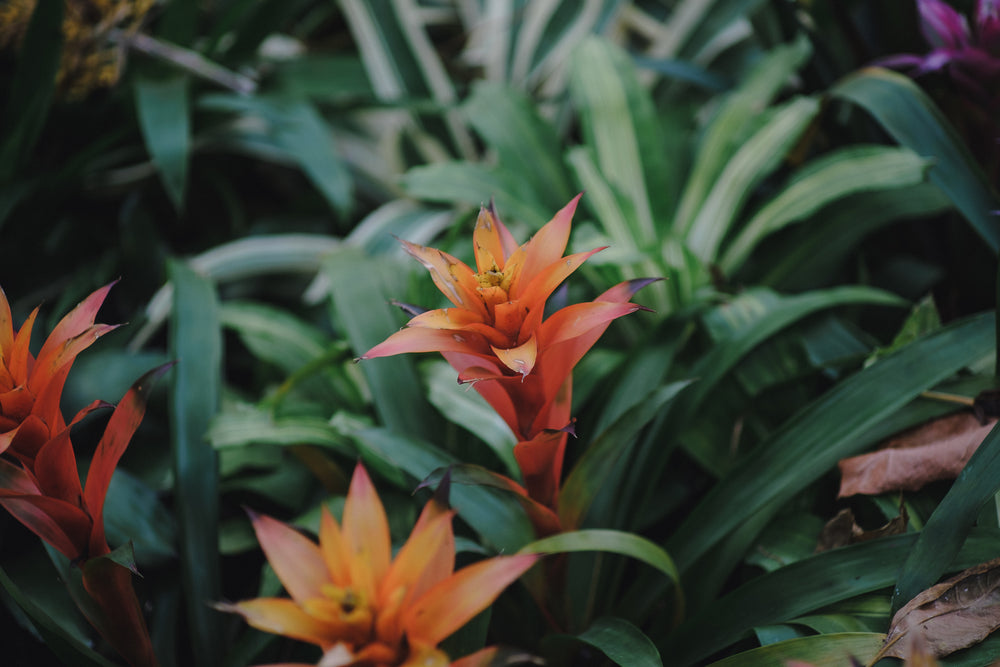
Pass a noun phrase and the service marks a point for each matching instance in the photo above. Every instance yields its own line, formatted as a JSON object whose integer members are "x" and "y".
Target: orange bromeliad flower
{"x": 497, "y": 337}
{"x": 30, "y": 388}
{"x": 361, "y": 606}
{"x": 41, "y": 486}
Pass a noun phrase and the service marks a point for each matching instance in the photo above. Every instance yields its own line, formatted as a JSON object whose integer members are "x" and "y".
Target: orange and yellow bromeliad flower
{"x": 496, "y": 335}
{"x": 30, "y": 387}
{"x": 361, "y": 606}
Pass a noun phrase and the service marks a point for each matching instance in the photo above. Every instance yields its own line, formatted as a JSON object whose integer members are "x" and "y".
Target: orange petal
{"x": 520, "y": 359}
{"x": 626, "y": 290}
{"x": 427, "y": 340}
{"x": 20, "y": 357}
{"x": 334, "y": 549}
{"x": 30, "y": 430}
{"x": 366, "y": 531}
{"x": 295, "y": 558}
{"x": 508, "y": 317}
{"x": 538, "y": 290}
{"x": 453, "y": 602}
{"x": 427, "y": 558}
{"x": 575, "y": 320}
{"x": 452, "y": 276}
{"x": 486, "y": 242}
{"x": 118, "y": 433}
{"x": 63, "y": 525}
{"x": 445, "y": 318}
{"x": 547, "y": 245}
{"x": 282, "y": 616}
{"x": 64, "y": 354}
{"x": 55, "y": 469}
{"x": 74, "y": 325}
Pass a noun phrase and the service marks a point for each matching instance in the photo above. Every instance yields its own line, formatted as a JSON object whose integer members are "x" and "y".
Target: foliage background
{"x": 797, "y": 203}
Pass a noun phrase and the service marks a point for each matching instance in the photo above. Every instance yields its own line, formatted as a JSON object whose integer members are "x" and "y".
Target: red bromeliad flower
{"x": 41, "y": 487}
{"x": 361, "y": 606}
{"x": 30, "y": 388}
{"x": 497, "y": 337}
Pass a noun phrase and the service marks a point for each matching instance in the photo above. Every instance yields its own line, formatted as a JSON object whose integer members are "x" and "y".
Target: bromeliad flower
{"x": 496, "y": 335}
{"x": 361, "y": 606}
{"x": 30, "y": 387}
{"x": 39, "y": 479}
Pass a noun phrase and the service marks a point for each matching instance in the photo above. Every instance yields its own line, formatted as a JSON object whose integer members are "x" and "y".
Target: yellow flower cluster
{"x": 92, "y": 57}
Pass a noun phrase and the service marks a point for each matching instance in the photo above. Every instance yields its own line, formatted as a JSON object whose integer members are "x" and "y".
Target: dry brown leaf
{"x": 946, "y": 617}
{"x": 934, "y": 451}
{"x": 843, "y": 530}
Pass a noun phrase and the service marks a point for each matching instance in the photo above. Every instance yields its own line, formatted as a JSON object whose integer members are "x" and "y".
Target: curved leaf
{"x": 162, "y": 108}
{"x": 610, "y": 541}
{"x": 913, "y": 120}
{"x": 818, "y": 651}
{"x": 622, "y": 642}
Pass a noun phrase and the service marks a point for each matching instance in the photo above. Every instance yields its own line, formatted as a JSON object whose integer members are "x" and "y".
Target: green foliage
{"x": 279, "y": 146}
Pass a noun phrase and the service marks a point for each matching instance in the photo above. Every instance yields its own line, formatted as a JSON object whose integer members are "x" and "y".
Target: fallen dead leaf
{"x": 947, "y": 617}
{"x": 843, "y": 530}
{"x": 934, "y": 451}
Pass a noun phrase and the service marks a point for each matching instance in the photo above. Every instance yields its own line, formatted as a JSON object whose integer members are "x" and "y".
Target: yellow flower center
{"x": 347, "y": 611}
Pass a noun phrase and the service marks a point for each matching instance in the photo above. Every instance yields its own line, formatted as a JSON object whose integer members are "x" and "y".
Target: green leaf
{"x": 362, "y": 288}
{"x": 474, "y": 184}
{"x": 526, "y": 144}
{"x": 598, "y": 461}
{"x": 495, "y": 515}
{"x": 814, "y": 440}
{"x": 471, "y": 411}
{"x": 33, "y": 86}
{"x": 844, "y": 172}
{"x": 302, "y": 131}
{"x": 819, "y": 651}
{"x": 622, "y": 642}
{"x": 803, "y": 587}
{"x": 247, "y": 424}
{"x": 946, "y": 530}
{"x": 196, "y": 342}
{"x": 755, "y": 160}
{"x": 133, "y": 513}
{"x": 737, "y": 118}
{"x": 162, "y": 107}
{"x": 54, "y": 629}
{"x": 608, "y": 541}
{"x": 620, "y": 125}
{"x": 914, "y": 121}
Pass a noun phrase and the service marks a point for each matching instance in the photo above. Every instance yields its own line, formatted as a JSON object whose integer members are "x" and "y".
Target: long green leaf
{"x": 622, "y": 642}
{"x": 850, "y": 170}
{"x": 495, "y": 515}
{"x": 737, "y": 118}
{"x": 813, "y": 441}
{"x": 162, "y": 108}
{"x": 620, "y": 125}
{"x": 362, "y": 288}
{"x": 196, "y": 343}
{"x": 598, "y": 461}
{"x": 803, "y": 587}
{"x": 58, "y": 638}
{"x": 525, "y": 143}
{"x": 834, "y": 650}
{"x": 608, "y": 541}
{"x": 756, "y": 159}
{"x": 913, "y": 120}
{"x": 946, "y": 530}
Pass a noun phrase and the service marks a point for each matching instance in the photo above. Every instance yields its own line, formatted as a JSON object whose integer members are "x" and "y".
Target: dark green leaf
{"x": 196, "y": 343}
{"x": 162, "y": 108}
{"x": 913, "y": 120}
